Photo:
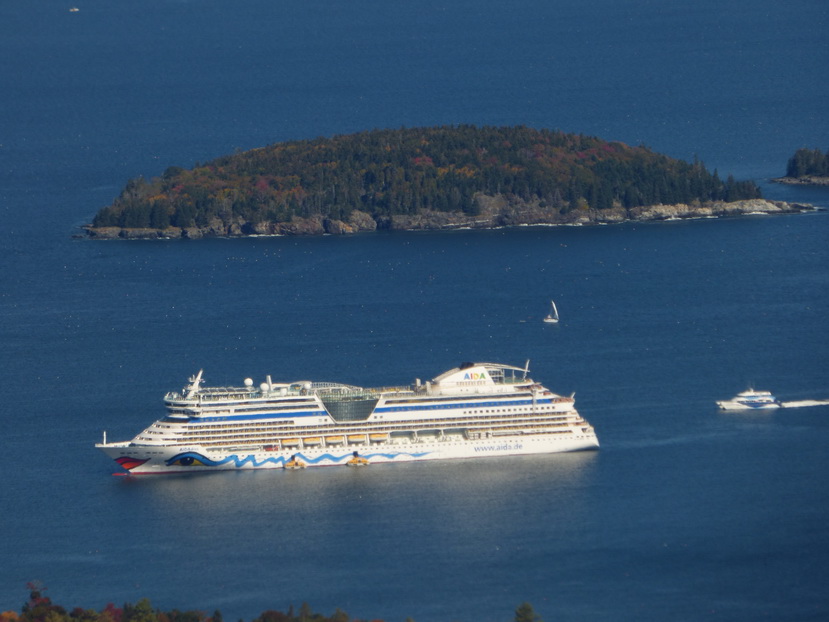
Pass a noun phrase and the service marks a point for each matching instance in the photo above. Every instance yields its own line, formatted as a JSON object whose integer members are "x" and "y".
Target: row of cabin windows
{"x": 531, "y": 424}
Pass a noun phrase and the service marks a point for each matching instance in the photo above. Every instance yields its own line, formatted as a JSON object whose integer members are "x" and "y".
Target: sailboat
{"x": 552, "y": 316}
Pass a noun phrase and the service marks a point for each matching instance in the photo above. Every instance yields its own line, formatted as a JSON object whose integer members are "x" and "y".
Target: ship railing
{"x": 215, "y": 393}
{"x": 335, "y": 388}
{"x": 345, "y": 392}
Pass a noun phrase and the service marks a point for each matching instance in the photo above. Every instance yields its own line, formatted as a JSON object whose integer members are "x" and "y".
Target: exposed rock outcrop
{"x": 715, "y": 209}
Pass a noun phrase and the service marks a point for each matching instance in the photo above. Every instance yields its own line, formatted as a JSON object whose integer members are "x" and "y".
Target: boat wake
{"x": 803, "y": 403}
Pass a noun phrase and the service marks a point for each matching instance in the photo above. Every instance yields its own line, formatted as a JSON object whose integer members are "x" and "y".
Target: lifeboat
{"x": 356, "y": 438}
{"x": 290, "y": 442}
{"x": 378, "y": 437}
{"x": 334, "y": 440}
{"x": 312, "y": 441}
{"x": 295, "y": 463}
{"x": 357, "y": 460}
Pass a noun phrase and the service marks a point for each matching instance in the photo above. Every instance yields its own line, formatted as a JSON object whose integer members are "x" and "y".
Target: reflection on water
{"x": 452, "y": 521}
{"x": 476, "y": 489}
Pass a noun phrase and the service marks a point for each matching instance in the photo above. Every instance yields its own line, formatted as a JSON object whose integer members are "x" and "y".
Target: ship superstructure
{"x": 476, "y": 409}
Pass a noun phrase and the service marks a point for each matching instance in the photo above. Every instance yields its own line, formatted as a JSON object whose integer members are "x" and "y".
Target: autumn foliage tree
{"x": 39, "y": 608}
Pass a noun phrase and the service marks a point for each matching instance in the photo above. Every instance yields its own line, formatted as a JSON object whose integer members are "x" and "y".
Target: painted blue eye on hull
{"x": 190, "y": 459}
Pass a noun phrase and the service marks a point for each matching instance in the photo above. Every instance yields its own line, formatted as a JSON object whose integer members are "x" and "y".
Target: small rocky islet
{"x": 437, "y": 178}
{"x": 807, "y": 167}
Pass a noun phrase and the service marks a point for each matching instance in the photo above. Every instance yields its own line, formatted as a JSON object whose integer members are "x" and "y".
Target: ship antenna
{"x": 194, "y": 385}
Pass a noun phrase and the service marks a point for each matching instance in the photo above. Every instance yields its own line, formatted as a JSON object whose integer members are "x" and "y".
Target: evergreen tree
{"x": 526, "y": 613}
{"x": 808, "y": 162}
{"x": 141, "y": 612}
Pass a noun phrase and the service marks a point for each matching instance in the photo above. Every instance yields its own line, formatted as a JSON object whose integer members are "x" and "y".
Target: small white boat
{"x": 750, "y": 400}
{"x": 552, "y": 316}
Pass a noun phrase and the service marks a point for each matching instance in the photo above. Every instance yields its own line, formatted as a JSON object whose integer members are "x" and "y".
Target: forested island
{"x": 40, "y": 608}
{"x": 423, "y": 178}
{"x": 807, "y": 167}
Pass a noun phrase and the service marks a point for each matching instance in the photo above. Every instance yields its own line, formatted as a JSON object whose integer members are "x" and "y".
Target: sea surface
{"x": 685, "y": 513}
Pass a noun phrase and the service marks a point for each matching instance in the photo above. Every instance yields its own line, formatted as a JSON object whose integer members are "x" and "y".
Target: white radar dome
{"x": 264, "y": 386}
{"x": 248, "y": 382}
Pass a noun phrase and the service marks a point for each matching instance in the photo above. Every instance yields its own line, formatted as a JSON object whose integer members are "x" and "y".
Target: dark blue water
{"x": 685, "y": 513}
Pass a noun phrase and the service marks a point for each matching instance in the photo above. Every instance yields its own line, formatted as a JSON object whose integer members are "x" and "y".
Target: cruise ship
{"x": 473, "y": 410}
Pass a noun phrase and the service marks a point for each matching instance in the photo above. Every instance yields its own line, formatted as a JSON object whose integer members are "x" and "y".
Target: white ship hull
{"x": 169, "y": 459}
{"x": 730, "y": 405}
{"x": 475, "y": 410}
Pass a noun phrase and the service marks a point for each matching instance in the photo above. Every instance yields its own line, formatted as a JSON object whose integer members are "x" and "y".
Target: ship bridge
{"x": 471, "y": 377}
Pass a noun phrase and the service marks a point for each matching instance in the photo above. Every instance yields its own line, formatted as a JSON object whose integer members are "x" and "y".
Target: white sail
{"x": 552, "y": 316}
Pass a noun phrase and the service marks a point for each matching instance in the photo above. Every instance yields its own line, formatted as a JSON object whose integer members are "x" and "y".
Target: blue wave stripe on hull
{"x": 192, "y": 458}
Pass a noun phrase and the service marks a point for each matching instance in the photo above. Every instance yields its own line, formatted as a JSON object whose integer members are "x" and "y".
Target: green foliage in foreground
{"x": 39, "y": 608}
{"x": 808, "y": 163}
{"x": 384, "y": 173}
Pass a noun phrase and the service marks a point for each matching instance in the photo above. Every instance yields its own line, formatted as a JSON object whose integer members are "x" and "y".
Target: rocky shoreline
{"x": 494, "y": 212}
{"x": 808, "y": 180}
